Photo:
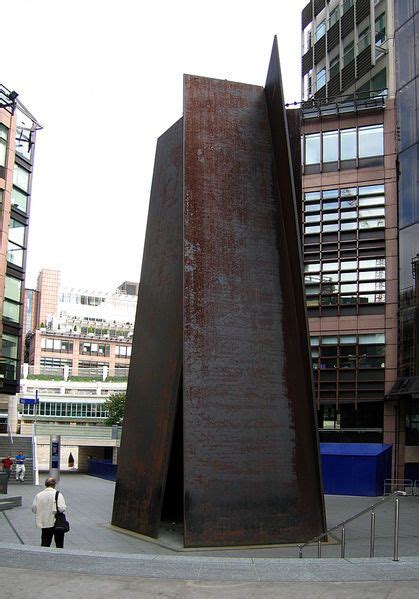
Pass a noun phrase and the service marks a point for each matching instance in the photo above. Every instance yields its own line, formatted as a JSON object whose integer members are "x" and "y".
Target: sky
{"x": 104, "y": 78}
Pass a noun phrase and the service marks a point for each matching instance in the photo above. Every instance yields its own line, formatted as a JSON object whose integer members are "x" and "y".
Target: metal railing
{"x": 342, "y": 526}
{"x": 398, "y": 484}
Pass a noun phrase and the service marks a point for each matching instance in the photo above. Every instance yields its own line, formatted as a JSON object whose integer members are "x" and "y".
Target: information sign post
{"x": 54, "y": 466}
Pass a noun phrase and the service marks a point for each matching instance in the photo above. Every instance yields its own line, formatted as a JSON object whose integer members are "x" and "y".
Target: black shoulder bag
{"x": 61, "y": 522}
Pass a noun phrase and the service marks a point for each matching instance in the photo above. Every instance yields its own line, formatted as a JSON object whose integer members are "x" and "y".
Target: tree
{"x": 115, "y": 406}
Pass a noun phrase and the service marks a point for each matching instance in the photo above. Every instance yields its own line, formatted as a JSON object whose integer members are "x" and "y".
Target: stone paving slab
{"x": 207, "y": 568}
{"x": 18, "y": 583}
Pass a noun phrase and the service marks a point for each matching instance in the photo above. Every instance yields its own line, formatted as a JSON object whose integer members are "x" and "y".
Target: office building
{"x": 80, "y": 332}
{"x": 360, "y": 220}
{"x": 17, "y": 141}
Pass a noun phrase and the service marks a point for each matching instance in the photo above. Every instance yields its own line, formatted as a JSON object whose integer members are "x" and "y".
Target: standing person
{"x": 70, "y": 460}
{"x": 7, "y": 465}
{"x": 44, "y": 507}
{"x": 20, "y": 466}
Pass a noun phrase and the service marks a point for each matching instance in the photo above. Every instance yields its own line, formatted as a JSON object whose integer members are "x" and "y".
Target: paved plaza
{"x": 108, "y": 561}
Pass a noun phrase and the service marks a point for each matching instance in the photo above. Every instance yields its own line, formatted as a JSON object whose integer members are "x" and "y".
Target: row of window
{"x": 56, "y": 345}
{"x": 60, "y": 363}
{"x": 123, "y": 351}
{"x": 351, "y": 224}
{"x": 92, "y": 349}
{"x": 99, "y": 332}
{"x": 332, "y": 268}
{"x": 95, "y": 349}
{"x": 343, "y": 144}
{"x": 348, "y": 53}
{"x": 344, "y": 198}
{"x": 325, "y": 24}
{"x": 73, "y": 410}
{"x": 348, "y": 351}
{"x": 77, "y": 298}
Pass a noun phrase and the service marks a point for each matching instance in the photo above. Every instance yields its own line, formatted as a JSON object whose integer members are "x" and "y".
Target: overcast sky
{"x": 104, "y": 77}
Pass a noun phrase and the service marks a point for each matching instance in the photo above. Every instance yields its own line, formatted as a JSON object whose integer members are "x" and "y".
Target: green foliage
{"x": 115, "y": 405}
{"x": 85, "y": 379}
{"x": 44, "y": 377}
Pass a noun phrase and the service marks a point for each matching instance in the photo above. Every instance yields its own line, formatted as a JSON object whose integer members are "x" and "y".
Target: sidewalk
{"x": 89, "y": 511}
{"x": 106, "y": 559}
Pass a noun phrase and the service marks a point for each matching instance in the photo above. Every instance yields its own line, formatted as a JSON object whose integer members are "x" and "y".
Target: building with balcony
{"x": 359, "y": 220}
{"x": 80, "y": 332}
{"x": 17, "y": 141}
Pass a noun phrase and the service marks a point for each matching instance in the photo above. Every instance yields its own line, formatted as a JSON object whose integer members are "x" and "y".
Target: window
{"x": 9, "y": 359}
{"x": 347, "y": 5}
{"x": 11, "y": 311}
{"x": 23, "y": 145}
{"x": 21, "y": 178}
{"x": 320, "y": 79}
{"x": 334, "y": 16}
{"x": 364, "y": 39}
{"x": 19, "y": 200}
{"x": 320, "y": 31}
{"x": 334, "y": 66}
{"x": 307, "y": 38}
{"x": 15, "y": 247}
{"x": 348, "y": 53}
{"x": 312, "y": 150}
{"x": 3, "y": 144}
{"x": 11, "y": 307}
{"x": 371, "y": 141}
{"x": 308, "y": 84}
{"x": 380, "y": 29}
{"x": 348, "y": 144}
{"x": 12, "y": 288}
{"x": 330, "y": 146}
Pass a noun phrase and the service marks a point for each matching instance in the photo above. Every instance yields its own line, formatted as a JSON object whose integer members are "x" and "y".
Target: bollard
{"x": 372, "y": 535}
{"x": 342, "y": 546}
{"x": 396, "y": 530}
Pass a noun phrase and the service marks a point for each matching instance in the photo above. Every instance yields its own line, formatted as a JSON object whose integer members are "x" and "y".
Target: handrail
{"x": 342, "y": 524}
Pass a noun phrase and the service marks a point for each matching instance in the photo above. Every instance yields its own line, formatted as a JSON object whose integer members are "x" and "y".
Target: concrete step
{"x": 20, "y": 443}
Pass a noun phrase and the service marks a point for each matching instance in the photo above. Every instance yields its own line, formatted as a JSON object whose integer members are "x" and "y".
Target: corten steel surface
{"x": 156, "y": 361}
{"x": 246, "y": 376}
{"x": 285, "y": 128}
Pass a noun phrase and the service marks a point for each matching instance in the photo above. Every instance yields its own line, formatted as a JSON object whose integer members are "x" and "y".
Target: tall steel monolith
{"x": 219, "y": 429}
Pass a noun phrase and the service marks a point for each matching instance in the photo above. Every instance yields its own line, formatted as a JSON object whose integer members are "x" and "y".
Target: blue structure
{"x": 355, "y": 468}
{"x": 102, "y": 469}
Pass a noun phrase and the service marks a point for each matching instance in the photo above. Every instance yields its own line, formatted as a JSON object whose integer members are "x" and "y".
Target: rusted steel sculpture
{"x": 230, "y": 448}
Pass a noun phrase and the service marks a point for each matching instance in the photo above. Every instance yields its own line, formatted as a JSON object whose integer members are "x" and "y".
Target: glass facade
{"x": 344, "y": 249}
{"x": 407, "y": 106}
{"x": 348, "y": 368}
